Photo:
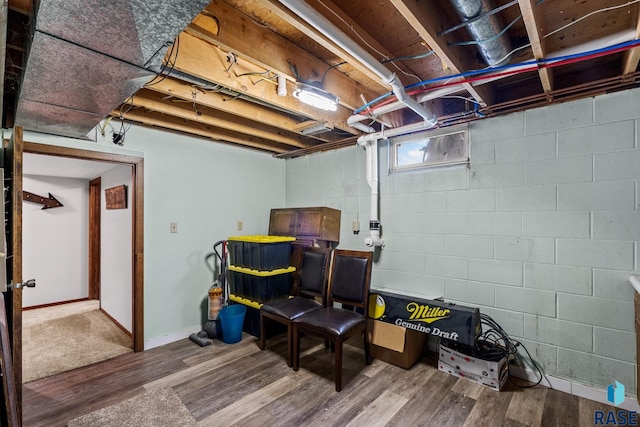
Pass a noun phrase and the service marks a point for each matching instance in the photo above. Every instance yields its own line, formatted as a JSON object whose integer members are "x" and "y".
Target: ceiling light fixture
{"x": 316, "y": 128}
{"x": 316, "y": 97}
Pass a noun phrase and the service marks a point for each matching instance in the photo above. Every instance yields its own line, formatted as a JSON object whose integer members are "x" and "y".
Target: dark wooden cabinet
{"x": 318, "y": 226}
{"x": 282, "y": 222}
{"x": 307, "y": 224}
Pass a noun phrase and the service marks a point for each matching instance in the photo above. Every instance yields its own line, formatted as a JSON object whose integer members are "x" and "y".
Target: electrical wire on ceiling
{"x": 490, "y": 39}
{"x": 103, "y": 128}
{"x": 534, "y": 65}
{"x": 564, "y": 27}
{"x": 382, "y": 55}
{"x": 324, "y": 76}
{"x": 294, "y": 70}
{"x": 461, "y": 97}
{"x": 265, "y": 76}
{"x": 118, "y": 137}
{"x": 297, "y": 75}
{"x": 528, "y": 66}
{"x": 480, "y": 16}
{"x": 544, "y": 63}
{"x": 170, "y": 63}
{"x": 517, "y": 49}
{"x": 404, "y": 58}
{"x": 604, "y": 9}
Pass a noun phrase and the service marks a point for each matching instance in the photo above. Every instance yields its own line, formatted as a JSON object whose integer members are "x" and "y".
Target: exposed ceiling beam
{"x": 344, "y": 23}
{"x": 427, "y": 22}
{"x": 283, "y": 13}
{"x": 239, "y": 34}
{"x": 351, "y": 27}
{"x": 155, "y": 119}
{"x": 533, "y": 23}
{"x": 187, "y": 110}
{"x": 204, "y": 60}
{"x": 632, "y": 56}
{"x": 228, "y": 104}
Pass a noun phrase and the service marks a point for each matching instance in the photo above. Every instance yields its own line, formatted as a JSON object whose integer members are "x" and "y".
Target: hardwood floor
{"x": 224, "y": 385}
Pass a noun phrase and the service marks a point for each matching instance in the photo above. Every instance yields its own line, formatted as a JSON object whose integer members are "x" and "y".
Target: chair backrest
{"x": 314, "y": 272}
{"x": 350, "y": 278}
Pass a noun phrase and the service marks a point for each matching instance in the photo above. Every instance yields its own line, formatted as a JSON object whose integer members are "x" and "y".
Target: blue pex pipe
{"x": 627, "y": 44}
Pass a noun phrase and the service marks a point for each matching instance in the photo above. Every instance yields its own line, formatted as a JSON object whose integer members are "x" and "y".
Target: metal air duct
{"x": 87, "y": 57}
{"x": 486, "y": 31}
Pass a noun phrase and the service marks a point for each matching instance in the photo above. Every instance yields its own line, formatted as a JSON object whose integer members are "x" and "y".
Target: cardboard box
{"x": 395, "y": 344}
{"x": 494, "y": 384}
{"x": 449, "y": 321}
{"x": 476, "y": 366}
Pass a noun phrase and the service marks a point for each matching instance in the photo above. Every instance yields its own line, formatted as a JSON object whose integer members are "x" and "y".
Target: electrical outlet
{"x": 239, "y": 225}
{"x": 173, "y": 227}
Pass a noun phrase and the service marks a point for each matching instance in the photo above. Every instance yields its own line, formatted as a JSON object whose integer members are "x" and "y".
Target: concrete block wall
{"x": 540, "y": 232}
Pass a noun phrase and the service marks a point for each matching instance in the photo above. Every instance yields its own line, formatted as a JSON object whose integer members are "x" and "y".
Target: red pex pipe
{"x": 512, "y": 72}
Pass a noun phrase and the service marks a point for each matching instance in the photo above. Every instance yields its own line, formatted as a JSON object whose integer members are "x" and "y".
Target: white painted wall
{"x": 54, "y": 241}
{"x": 540, "y": 232}
{"x": 116, "y": 295}
{"x": 205, "y": 187}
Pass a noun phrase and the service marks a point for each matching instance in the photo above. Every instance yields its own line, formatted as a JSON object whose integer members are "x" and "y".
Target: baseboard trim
{"x": 168, "y": 339}
{"x": 51, "y": 304}
{"x": 561, "y": 384}
{"x": 118, "y": 324}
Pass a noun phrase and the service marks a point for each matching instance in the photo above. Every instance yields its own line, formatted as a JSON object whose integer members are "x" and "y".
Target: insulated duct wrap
{"x": 88, "y": 57}
{"x": 494, "y": 47}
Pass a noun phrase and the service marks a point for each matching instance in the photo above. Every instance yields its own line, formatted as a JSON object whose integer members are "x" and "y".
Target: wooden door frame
{"x": 137, "y": 164}
{"x": 95, "y": 186}
{"x": 13, "y": 300}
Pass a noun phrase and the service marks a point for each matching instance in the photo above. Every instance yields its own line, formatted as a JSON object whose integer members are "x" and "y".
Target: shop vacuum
{"x": 217, "y": 297}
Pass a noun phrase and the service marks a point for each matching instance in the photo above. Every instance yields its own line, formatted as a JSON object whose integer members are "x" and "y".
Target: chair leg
{"x": 367, "y": 351}
{"x": 295, "y": 354}
{"x": 290, "y": 344}
{"x": 263, "y": 337}
{"x": 338, "y": 362}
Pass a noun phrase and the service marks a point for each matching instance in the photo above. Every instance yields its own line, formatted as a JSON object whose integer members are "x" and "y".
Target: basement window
{"x": 442, "y": 147}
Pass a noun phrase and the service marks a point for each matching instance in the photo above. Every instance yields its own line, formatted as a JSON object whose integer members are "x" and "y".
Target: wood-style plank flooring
{"x": 238, "y": 384}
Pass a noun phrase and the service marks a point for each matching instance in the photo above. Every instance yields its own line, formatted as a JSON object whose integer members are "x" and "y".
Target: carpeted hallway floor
{"x": 63, "y": 337}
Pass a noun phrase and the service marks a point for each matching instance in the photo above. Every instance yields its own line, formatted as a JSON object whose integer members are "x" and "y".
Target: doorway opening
{"x": 93, "y": 270}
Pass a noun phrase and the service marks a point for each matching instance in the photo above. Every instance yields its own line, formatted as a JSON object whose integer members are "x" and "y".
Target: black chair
{"x": 312, "y": 284}
{"x": 349, "y": 282}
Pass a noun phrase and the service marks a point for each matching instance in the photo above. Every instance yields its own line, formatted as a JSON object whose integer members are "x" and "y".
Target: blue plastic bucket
{"x": 232, "y": 319}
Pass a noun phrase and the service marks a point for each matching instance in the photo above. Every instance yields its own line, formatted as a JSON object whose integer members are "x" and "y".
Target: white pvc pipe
{"x": 397, "y": 105}
{"x": 354, "y": 122}
{"x": 620, "y": 37}
{"x": 333, "y": 33}
{"x": 371, "y": 147}
{"x": 389, "y": 133}
{"x": 635, "y": 282}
